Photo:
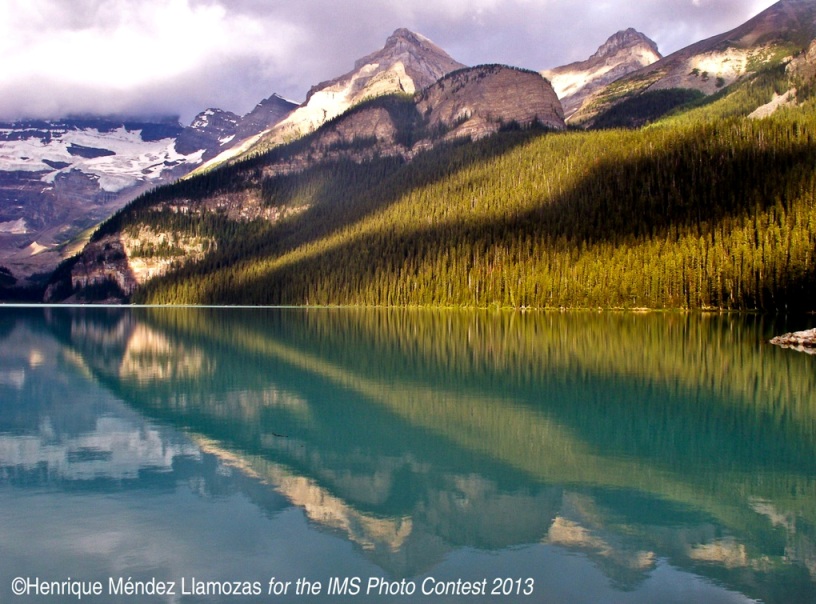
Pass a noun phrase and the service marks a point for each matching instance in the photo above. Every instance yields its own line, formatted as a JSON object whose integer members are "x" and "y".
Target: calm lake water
{"x": 404, "y": 456}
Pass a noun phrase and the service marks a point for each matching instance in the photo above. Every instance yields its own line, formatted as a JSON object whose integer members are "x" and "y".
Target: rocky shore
{"x": 803, "y": 341}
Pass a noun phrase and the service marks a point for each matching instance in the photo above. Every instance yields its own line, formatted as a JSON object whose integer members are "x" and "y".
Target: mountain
{"x": 624, "y": 52}
{"x": 705, "y": 214}
{"x": 479, "y": 101}
{"x": 710, "y": 65}
{"x": 215, "y": 130}
{"x": 265, "y": 115}
{"x": 93, "y": 166}
{"x": 467, "y": 104}
{"x": 209, "y": 131}
{"x": 406, "y": 64}
{"x": 453, "y": 196}
{"x": 60, "y": 177}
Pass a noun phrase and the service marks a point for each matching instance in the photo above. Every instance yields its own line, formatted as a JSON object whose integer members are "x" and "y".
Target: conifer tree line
{"x": 696, "y": 211}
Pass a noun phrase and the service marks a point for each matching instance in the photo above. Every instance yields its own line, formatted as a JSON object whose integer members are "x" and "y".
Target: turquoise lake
{"x": 356, "y": 455}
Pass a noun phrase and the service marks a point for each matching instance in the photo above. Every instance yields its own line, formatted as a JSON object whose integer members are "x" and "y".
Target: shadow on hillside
{"x": 693, "y": 186}
{"x": 332, "y": 191}
{"x": 386, "y": 180}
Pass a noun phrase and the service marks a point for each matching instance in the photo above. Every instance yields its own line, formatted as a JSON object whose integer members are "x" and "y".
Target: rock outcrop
{"x": 803, "y": 341}
{"x": 479, "y": 101}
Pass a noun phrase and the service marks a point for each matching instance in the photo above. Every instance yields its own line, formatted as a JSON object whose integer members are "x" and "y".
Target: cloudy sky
{"x": 182, "y": 56}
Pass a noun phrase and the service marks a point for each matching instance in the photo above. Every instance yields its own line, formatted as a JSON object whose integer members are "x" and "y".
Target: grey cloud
{"x": 285, "y": 47}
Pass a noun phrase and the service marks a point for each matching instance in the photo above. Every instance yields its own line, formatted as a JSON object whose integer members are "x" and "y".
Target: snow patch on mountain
{"x": 14, "y": 227}
{"x": 132, "y": 159}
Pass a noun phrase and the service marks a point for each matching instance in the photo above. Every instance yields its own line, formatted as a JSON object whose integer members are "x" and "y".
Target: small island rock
{"x": 803, "y": 341}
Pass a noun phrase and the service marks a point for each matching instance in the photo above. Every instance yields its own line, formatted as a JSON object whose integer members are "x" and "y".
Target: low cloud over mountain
{"x": 173, "y": 57}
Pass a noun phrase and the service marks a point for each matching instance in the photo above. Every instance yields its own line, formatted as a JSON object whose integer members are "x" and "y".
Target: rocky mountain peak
{"x": 405, "y": 34}
{"x": 214, "y": 118}
{"x": 275, "y": 101}
{"x": 403, "y": 38}
{"x": 478, "y": 101}
{"x": 623, "y": 53}
{"x": 405, "y": 42}
{"x": 266, "y": 114}
{"x": 411, "y": 56}
{"x": 206, "y": 131}
{"x": 623, "y": 40}
{"x": 407, "y": 63}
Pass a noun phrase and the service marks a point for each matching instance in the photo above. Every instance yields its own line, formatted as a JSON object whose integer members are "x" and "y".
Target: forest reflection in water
{"x": 632, "y": 441}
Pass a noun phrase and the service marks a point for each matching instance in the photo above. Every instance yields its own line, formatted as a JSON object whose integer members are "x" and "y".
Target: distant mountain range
{"x": 59, "y": 177}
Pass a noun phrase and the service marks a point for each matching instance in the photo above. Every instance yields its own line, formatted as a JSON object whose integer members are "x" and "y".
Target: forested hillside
{"x": 704, "y": 209}
{"x": 716, "y": 214}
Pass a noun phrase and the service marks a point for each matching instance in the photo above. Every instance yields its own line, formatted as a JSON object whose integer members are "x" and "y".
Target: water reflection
{"x": 631, "y": 441}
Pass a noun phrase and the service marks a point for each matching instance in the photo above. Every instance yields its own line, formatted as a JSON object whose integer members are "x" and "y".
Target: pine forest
{"x": 703, "y": 208}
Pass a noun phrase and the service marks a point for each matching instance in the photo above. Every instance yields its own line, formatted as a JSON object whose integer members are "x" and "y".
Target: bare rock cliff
{"x": 479, "y": 101}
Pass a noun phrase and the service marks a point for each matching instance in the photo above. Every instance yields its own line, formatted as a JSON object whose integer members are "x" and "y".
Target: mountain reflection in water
{"x": 651, "y": 447}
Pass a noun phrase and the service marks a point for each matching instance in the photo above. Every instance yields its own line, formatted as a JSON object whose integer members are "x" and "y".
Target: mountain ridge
{"x": 243, "y": 222}
{"x": 406, "y": 63}
{"x": 470, "y": 103}
{"x": 711, "y": 64}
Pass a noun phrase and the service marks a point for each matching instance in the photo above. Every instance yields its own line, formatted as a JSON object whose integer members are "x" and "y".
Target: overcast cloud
{"x": 182, "y": 56}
